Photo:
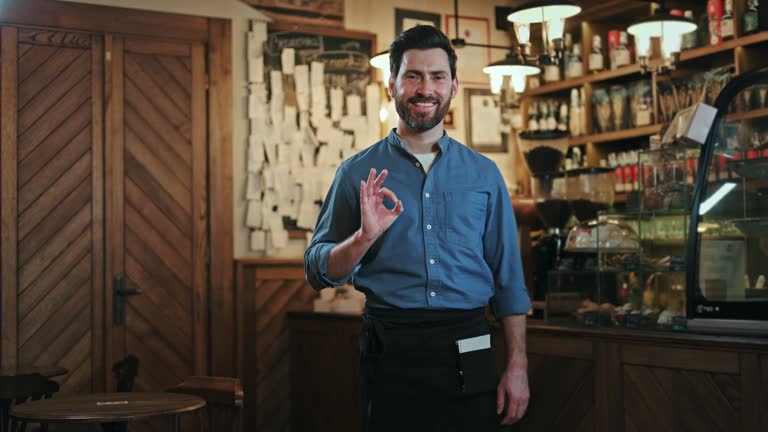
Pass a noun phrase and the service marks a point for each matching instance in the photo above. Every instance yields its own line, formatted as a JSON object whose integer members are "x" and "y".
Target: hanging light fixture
{"x": 511, "y": 66}
{"x": 669, "y": 27}
{"x": 552, "y": 14}
{"x": 516, "y": 67}
{"x": 381, "y": 61}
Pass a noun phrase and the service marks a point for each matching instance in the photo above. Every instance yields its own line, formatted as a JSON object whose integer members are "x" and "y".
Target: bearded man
{"x": 430, "y": 250}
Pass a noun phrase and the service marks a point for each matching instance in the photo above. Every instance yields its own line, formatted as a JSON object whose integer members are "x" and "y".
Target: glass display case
{"x": 627, "y": 269}
{"x": 692, "y": 254}
{"x": 729, "y": 230}
{"x": 644, "y": 250}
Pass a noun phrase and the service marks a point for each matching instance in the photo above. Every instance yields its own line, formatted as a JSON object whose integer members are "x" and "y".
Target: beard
{"x": 421, "y": 122}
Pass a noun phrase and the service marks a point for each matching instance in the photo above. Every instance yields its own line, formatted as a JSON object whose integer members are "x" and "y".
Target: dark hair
{"x": 421, "y": 37}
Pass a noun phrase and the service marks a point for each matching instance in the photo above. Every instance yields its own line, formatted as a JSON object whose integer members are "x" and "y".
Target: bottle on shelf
{"x": 574, "y": 120}
{"x": 583, "y": 107}
{"x": 551, "y": 120}
{"x": 568, "y": 42}
{"x": 727, "y": 29}
{"x": 575, "y": 64}
{"x": 627, "y": 172}
{"x": 543, "y": 116}
{"x": 562, "y": 121}
{"x": 751, "y": 17}
{"x": 618, "y": 51}
{"x": 551, "y": 70}
{"x": 715, "y": 16}
{"x": 533, "y": 118}
{"x": 691, "y": 39}
{"x": 620, "y": 171}
{"x": 596, "y": 63}
{"x": 635, "y": 171}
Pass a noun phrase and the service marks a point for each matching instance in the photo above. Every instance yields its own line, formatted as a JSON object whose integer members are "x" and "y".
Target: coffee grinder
{"x": 544, "y": 153}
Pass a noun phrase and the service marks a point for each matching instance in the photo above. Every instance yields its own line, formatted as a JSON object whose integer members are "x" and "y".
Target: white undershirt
{"x": 426, "y": 160}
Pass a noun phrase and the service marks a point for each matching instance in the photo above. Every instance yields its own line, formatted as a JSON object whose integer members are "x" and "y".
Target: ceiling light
{"x": 381, "y": 61}
{"x": 669, "y": 26}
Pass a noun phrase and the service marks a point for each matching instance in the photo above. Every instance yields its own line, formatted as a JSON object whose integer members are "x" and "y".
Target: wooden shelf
{"x": 580, "y": 81}
{"x": 725, "y": 46}
{"x": 747, "y": 115}
{"x": 556, "y": 87}
{"x": 635, "y": 68}
{"x": 615, "y": 136}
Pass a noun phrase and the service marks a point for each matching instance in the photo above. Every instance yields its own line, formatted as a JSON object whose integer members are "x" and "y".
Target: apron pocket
{"x": 477, "y": 371}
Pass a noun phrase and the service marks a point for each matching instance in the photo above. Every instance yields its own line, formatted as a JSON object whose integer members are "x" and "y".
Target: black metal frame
{"x": 697, "y": 305}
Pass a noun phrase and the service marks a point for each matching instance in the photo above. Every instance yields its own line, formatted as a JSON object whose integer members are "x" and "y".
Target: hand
{"x": 374, "y": 217}
{"x": 513, "y": 389}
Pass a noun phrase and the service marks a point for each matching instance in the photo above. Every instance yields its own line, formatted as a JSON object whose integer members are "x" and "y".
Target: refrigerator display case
{"x": 728, "y": 234}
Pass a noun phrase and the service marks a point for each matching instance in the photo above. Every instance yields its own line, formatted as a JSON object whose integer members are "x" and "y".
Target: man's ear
{"x": 455, "y": 87}
{"x": 391, "y": 87}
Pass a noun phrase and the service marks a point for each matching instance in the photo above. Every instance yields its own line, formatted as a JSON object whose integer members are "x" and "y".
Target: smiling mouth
{"x": 423, "y": 106}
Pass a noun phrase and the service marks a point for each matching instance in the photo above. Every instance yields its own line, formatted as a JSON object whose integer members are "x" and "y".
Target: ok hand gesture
{"x": 374, "y": 217}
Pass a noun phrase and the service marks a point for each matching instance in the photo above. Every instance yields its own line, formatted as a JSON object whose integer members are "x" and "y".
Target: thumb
{"x": 398, "y": 209}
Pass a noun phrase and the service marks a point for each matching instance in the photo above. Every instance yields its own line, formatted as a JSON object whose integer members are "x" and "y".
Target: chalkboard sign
{"x": 345, "y": 54}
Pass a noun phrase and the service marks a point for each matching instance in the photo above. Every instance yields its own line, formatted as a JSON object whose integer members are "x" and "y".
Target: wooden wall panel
{"x": 8, "y": 191}
{"x": 220, "y": 105}
{"x": 568, "y": 404}
{"x": 59, "y": 250}
{"x": 681, "y": 400}
{"x": 264, "y": 364}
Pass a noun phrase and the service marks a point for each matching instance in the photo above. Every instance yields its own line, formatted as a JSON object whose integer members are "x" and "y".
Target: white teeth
{"x": 425, "y": 104}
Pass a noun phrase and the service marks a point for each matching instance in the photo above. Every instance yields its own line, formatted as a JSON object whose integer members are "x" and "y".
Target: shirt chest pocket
{"x": 465, "y": 217}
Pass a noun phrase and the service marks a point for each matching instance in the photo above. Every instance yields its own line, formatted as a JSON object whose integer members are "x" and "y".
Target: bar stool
{"x": 224, "y": 398}
{"x": 22, "y": 388}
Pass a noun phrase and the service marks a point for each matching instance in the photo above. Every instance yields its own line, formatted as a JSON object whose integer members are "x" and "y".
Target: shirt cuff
{"x": 322, "y": 265}
{"x": 510, "y": 304}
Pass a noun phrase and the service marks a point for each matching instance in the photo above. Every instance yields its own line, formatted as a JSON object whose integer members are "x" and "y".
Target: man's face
{"x": 423, "y": 88}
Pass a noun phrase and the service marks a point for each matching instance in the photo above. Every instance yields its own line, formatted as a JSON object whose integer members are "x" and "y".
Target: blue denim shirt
{"x": 454, "y": 246}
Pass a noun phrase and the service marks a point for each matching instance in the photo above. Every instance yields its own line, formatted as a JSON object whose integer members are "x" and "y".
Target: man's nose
{"x": 426, "y": 87}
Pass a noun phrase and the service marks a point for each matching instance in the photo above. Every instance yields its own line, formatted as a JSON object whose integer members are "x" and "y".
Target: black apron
{"x": 414, "y": 379}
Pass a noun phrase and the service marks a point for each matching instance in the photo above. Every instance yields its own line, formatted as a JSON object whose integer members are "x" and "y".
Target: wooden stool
{"x": 224, "y": 397}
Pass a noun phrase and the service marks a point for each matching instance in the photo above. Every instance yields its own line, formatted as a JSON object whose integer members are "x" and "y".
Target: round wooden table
{"x": 46, "y": 371}
{"x": 109, "y": 409}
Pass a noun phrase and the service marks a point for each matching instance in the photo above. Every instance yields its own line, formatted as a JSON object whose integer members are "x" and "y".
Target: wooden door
{"x": 51, "y": 177}
{"x": 156, "y": 206}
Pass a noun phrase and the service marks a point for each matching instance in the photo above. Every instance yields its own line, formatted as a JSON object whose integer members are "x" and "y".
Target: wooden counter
{"x": 581, "y": 379}
{"x": 301, "y": 369}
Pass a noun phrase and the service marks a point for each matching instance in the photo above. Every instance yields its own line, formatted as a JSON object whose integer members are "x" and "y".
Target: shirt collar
{"x": 394, "y": 139}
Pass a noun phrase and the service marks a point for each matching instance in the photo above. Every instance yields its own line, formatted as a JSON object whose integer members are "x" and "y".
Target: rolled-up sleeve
{"x": 339, "y": 218}
{"x": 502, "y": 253}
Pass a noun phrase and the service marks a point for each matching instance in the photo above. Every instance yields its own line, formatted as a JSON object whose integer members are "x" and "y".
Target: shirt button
{"x": 429, "y": 227}
{"x": 418, "y": 164}
{"x": 426, "y": 194}
{"x": 431, "y": 261}
{"x": 432, "y": 294}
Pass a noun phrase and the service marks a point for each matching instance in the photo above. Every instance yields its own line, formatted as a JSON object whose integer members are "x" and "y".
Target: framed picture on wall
{"x": 482, "y": 115}
{"x": 405, "y": 19}
{"x": 471, "y": 59}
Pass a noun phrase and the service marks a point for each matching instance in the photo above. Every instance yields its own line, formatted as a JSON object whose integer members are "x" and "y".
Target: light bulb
{"x": 643, "y": 45}
{"x": 555, "y": 28}
{"x": 670, "y": 44}
{"x": 496, "y": 81}
{"x": 523, "y": 33}
{"x": 518, "y": 82}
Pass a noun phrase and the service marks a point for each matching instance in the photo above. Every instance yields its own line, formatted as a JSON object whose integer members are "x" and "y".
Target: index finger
{"x": 380, "y": 179}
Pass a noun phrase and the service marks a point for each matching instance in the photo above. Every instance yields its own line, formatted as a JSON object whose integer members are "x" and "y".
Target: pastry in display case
{"x": 728, "y": 242}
